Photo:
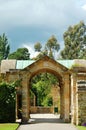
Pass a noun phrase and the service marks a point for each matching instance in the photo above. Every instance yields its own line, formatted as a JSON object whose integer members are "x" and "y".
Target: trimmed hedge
{"x": 7, "y": 102}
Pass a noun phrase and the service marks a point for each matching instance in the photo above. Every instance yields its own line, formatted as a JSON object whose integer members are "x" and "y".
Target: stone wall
{"x": 36, "y": 109}
{"x": 55, "y": 93}
{"x": 81, "y": 107}
{"x": 81, "y": 102}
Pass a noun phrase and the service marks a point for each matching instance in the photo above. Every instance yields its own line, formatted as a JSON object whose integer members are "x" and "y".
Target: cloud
{"x": 54, "y": 14}
{"x": 31, "y": 49}
{"x": 84, "y": 7}
{"x": 37, "y": 20}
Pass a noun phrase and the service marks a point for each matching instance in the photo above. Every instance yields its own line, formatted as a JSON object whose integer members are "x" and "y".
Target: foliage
{"x": 48, "y": 101}
{"x": 50, "y": 48}
{"x": 75, "y": 42}
{"x": 4, "y": 47}
{"x": 40, "y": 90}
{"x": 41, "y": 86}
{"x": 20, "y": 54}
{"x": 9, "y": 126}
{"x": 52, "y": 45}
{"x": 38, "y": 46}
{"x": 7, "y": 102}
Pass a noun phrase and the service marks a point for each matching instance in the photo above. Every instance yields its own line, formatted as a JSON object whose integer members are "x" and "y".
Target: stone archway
{"x": 46, "y": 65}
{"x": 72, "y": 80}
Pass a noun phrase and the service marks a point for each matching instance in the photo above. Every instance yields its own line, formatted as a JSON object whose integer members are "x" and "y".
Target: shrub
{"x": 7, "y": 102}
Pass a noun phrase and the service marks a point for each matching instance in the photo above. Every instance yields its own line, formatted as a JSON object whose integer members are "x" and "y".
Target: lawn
{"x": 81, "y": 127}
{"x": 8, "y": 126}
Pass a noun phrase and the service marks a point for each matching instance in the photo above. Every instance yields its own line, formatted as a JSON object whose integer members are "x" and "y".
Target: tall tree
{"x": 50, "y": 48}
{"x": 4, "y": 47}
{"x": 75, "y": 42}
{"x": 52, "y": 45}
{"x": 20, "y": 54}
{"x": 38, "y": 46}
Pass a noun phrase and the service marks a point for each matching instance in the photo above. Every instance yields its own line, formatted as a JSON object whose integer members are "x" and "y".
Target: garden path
{"x": 46, "y": 122}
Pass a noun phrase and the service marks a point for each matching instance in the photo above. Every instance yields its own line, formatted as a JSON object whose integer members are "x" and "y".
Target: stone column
{"x": 34, "y": 101}
{"x": 16, "y": 106}
{"x": 61, "y": 103}
{"x": 73, "y": 98}
{"x": 66, "y": 93}
{"x": 81, "y": 102}
{"x": 25, "y": 99}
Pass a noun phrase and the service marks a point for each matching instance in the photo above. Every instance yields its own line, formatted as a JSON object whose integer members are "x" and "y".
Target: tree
{"x": 20, "y": 54}
{"x": 41, "y": 54}
{"x": 75, "y": 42}
{"x": 4, "y": 47}
{"x": 50, "y": 48}
{"x": 52, "y": 45}
{"x": 41, "y": 85}
{"x": 38, "y": 46}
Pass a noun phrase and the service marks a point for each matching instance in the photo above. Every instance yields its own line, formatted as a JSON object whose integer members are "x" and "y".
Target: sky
{"x": 26, "y": 22}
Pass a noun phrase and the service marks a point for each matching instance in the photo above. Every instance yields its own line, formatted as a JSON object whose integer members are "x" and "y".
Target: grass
{"x": 8, "y": 126}
{"x": 81, "y": 127}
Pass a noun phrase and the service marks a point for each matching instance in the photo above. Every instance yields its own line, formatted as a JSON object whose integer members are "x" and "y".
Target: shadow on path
{"x": 44, "y": 118}
{"x": 46, "y": 122}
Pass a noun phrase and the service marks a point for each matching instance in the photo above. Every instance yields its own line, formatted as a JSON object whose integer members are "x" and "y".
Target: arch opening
{"x": 59, "y": 92}
{"x": 50, "y": 67}
{"x": 45, "y": 93}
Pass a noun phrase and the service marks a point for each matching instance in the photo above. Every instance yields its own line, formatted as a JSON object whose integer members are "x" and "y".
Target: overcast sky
{"x": 26, "y": 22}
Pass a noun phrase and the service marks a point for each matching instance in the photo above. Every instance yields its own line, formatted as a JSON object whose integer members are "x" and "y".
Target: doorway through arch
{"x": 46, "y": 65}
{"x": 26, "y": 70}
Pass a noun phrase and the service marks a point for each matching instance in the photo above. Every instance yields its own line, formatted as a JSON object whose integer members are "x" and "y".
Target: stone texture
{"x": 72, "y": 94}
{"x": 6, "y": 65}
{"x": 81, "y": 102}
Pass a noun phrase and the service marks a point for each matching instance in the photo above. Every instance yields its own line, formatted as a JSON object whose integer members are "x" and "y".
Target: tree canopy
{"x": 20, "y": 54}
{"x": 4, "y": 47}
{"x": 41, "y": 86}
{"x": 52, "y": 45}
{"x": 50, "y": 48}
{"x": 75, "y": 42}
{"x": 38, "y": 46}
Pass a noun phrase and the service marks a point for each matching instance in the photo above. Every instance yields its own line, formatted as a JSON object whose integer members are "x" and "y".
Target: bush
{"x": 7, "y": 102}
{"x": 48, "y": 101}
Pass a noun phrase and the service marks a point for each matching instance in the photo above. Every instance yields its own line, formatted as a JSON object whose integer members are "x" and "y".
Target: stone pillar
{"x": 16, "y": 106}
{"x": 66, "y": 93}
{"x": 81, "y": 102}
{"x": 73, "y": 98}
{"x": 25, "y": 99}
{"x": 34, "y": 101}
{"x": 61, "y": 103}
